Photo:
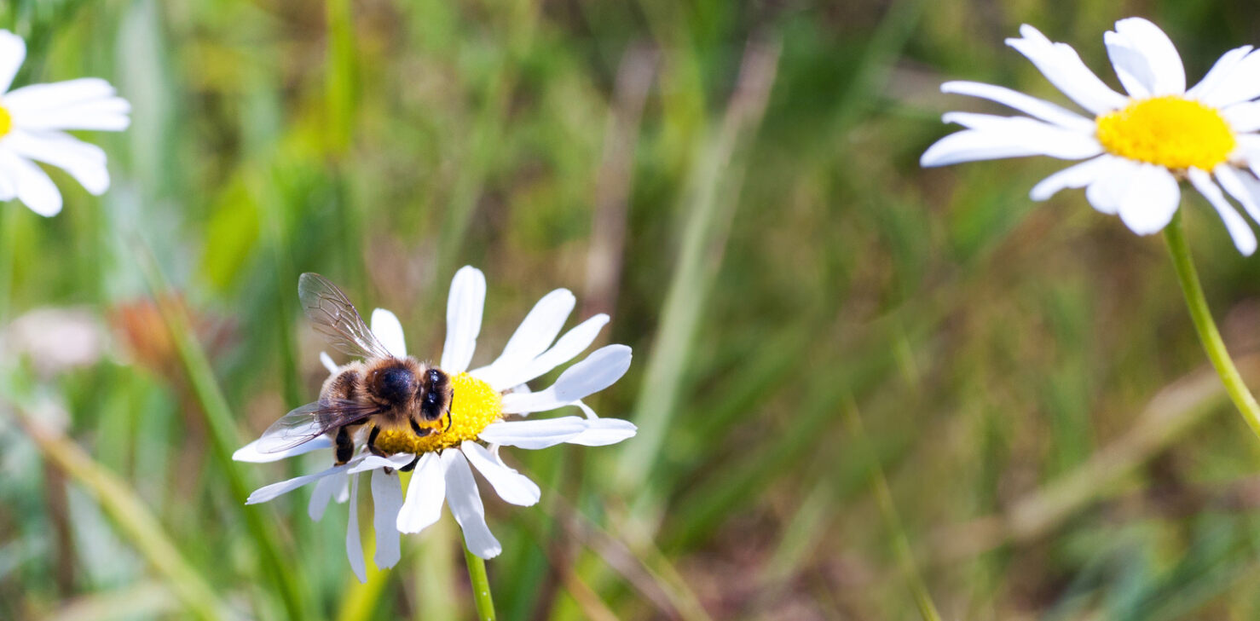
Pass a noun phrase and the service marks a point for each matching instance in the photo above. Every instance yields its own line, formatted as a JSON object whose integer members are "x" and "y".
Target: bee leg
{"x": 371, "y": 443}
{"x": 345, "y": 447}
{"x": 410, "y": 466}
{"x": 418, "y": 430}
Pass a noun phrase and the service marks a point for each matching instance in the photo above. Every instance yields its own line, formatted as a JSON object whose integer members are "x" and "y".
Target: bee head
{"x": 396, "y": 384}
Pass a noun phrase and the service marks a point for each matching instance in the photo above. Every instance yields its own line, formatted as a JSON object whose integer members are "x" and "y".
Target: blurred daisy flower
{"x": 482, "y": 399}
{"x": 33, "y": 122}
{"x": 1136, "y": 147}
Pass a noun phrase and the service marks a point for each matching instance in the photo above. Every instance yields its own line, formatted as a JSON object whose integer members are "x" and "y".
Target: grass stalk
{"x": 892, "y": 521}
{"x": 132, "y": 518}
{"x": 224, "y": 438}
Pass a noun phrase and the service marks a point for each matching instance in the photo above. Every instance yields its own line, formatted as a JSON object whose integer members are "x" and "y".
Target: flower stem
{"x": 480, "y": 585}
{"x": 1206, "y": 327}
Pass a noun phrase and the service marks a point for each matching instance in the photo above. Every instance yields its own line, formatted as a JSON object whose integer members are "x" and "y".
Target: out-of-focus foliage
{"x": 1019, "y": 367}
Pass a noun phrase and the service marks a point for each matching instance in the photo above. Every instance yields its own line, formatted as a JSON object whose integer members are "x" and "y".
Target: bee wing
{"x": 335, "y": 317}
{"x": 310, "y": 421}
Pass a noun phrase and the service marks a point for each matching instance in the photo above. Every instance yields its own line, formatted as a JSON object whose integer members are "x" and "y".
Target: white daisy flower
{"x": 1136, "y": 147}
{"x": 33, "y": 124}
{"x": 483, "y": 398}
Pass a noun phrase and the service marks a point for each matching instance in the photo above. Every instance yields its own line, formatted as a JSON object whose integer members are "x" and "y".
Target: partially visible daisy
{"x": 1136, "y": 147}
{"x": 482, "y": 399}
{"x": 33, "y": 122}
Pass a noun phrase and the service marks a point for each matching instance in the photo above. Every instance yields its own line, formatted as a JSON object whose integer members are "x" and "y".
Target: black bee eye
{"x": 432, "y": 398}
{"x": 435, "y": 376}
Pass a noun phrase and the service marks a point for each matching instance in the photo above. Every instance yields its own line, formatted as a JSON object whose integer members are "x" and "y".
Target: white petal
{"x": 85, "y": 162}
{"x": 1244, "y": 238}
{"x": 354, "y": 547}
{"x": 1110, "y": 184}
{"x": 1243, "y": 117}
{"x": 1020, "y": 137}
{"x": 387, "y": 499}
{"x": 463, "y": 319}
{"x": 1038, "y": 108}
{"x": 1145, "y": 59}
{"x": 1241, "y": 83}
{"x": 1075, "y": 176}
{"x": 605, "y": 431}
{"x": 388, "y": 330}
{"x": 376, "y": 462}
{"x": 1151, "y": 199}
{"x": 1062, "y": 66}
{"x": 1224, "y": 66}
{"x": 264, "y": 494}
{"x": 250, "y": 453}
{"x": 1241, "y": 186}
{"x": 38, "y": 98}
{"x": 598, "y": 371}
{"x": 87, "y": 103}
{"x": 12, "y": 53}
{"x": 511, "y": 485}
{"x": 328, "y": 363}
{"x": 325, "y": 489}
{"x": 34, "y": 188}
{"x": 534, "y": 434}
{"x": 573, "y": 342}
{"x": 535, "y": 334}
{"x": 425, "y": 495}
{"x": 465, "y": 501}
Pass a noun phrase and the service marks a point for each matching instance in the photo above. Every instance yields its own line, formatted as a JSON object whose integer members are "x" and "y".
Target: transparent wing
{"x": 311, "y": 421}
{"x": 335, "y": 317}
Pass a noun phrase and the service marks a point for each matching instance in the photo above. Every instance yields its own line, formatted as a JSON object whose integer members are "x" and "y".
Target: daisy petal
{"x": 463, "y": 319}
{"x": 1038, "y": 108}
{"x": 1224, "y": 66}
{"x": 605, "y": 431}
{"x": 598, "y": 371}
{"x": 1075, "y": 176}
{"x": 465, "y": 501}
{"x": 573, "y": 342}
{"x": 1150, "y": 201}
{"x": 1242, "y": 191}
{"x": 354, "y": 547}
{"x": 264, "y": 494}
{"x": 1241, "y": 83}
{"x": 85, "y": 162}
{"x": 511, "y": 485}
{"x": 1244, "y": 238}
{"x": 1110, "y": 184}
{"x": 104, "y": 114}
{"x": 1062, "y": 66}
{"x": 325, "y": 489}
{"x": 387, "y": 499}
{"x": 328, "y": 363}
{"x": 425, "y": 495}
{"x": 1145, "y": 59}
{"x": 12, "y": 53}
{"x": 376, "y": 462}
{"x": 535, "y": 334}
{"x": 250, "y": 453}
{"x": 387, "y": 329}
{"x": 33, "y": 186}
{"x": 1243, "y": 117}
{"x": 534, "y": 434}
{"x": 1016, "y": 138}
{"x": 38, "y": 98}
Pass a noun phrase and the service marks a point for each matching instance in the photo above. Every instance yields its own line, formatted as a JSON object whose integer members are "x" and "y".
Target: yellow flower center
{"x": 6, "y": 121}
{"x": 474, "y": 405}
{"x": 1170, "y": 131}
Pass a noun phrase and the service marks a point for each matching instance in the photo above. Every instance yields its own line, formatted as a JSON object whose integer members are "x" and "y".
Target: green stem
{"x": 480, "y": 585}
{"x": 1206, "y": 327}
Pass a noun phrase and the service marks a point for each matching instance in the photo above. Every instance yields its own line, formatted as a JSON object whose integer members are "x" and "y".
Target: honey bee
{"x": 381, "y": 392}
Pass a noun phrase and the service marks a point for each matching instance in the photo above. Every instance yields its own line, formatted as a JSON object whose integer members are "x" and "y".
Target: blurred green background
{"x": 737, "y": 183}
